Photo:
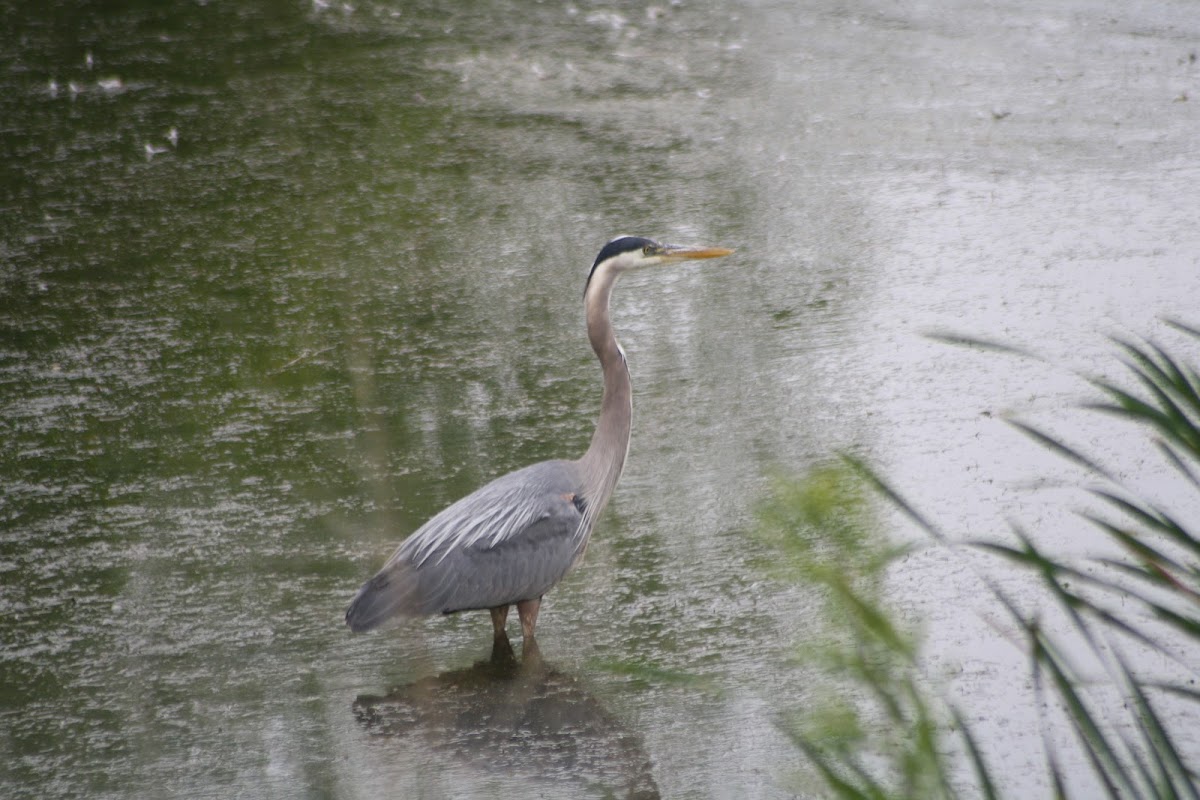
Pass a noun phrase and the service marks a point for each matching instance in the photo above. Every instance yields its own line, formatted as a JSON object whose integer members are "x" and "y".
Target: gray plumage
{"x": 512, "y": 540}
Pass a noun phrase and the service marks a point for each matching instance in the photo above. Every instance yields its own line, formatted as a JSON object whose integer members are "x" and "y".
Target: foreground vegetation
{"x": 889, "y": 734}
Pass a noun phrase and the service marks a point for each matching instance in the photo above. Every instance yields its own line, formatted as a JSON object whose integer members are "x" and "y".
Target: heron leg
{"x": 499, "y": 619}
{"x": 527, "y": 610}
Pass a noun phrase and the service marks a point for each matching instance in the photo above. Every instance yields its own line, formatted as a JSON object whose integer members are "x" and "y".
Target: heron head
{"x": 631, "y": 252}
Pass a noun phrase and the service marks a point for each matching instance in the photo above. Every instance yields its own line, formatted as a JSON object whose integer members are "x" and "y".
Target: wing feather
{"x": 510, "y": 540}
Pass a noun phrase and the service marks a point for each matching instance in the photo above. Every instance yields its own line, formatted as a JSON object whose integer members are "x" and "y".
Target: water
{"x": 280, "y": 281}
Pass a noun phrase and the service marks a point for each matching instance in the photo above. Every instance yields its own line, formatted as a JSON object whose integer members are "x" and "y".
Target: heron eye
{"x": 648, "y": 250}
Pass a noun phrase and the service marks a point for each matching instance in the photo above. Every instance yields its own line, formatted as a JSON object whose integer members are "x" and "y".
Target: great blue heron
{"x": 512, "y": 540}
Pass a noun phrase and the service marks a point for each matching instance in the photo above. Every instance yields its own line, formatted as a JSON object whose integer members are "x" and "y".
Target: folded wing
{"x": 511, "y": 540}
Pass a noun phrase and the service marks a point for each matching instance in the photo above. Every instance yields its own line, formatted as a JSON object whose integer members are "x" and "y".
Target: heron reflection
{"x": 522, "y": 718}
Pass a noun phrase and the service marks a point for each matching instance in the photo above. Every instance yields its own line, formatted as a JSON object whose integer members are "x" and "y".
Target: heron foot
{"x": 502, "y": 652}
{"x": 531, "y": 654}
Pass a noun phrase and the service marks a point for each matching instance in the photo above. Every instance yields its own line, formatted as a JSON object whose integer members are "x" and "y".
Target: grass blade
{"x": 1155, "y": 519}
{"x": 1096, "y": 745}
{"x": 1154, "y": 561}
{"x": 1178, "y": 379}
{"x": 1161, "y": 746}
{"x": 1058, "y": 447}
{"x": 1180, "y": 325}
{"x": 982, "y": 773}
{"x": 1177, "y": 462}
{"x": 976, "y": 343}
{"x": 880, "y": 485}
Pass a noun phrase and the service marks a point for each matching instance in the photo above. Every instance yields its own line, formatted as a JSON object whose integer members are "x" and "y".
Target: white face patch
{"x": 635, "y": 259}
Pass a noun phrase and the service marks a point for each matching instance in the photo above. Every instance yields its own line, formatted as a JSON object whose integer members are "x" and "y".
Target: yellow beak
{"x": 675, "y": 252}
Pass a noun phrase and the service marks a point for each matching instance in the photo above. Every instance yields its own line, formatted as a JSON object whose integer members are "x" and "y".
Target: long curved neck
{"x": 601, "y": 465}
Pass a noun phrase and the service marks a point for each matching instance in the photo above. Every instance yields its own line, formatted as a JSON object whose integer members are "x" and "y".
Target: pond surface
{"x": 280, "y": 280}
